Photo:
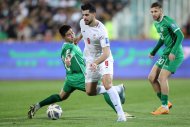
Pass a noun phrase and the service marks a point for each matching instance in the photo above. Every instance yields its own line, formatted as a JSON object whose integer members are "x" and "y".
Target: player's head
{"x": 88, "y": 13}
{"x": 67, "y": 33}
{"x": 156, "y": 11}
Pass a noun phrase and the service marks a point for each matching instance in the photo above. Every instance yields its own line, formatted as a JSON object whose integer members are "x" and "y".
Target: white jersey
{"x": 95, "y": 38}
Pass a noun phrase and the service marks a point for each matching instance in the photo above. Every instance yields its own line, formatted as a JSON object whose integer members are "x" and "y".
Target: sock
{"x": 115, "y": 100}
{"x": 159, "y": 95}
{"x": 101, "y": 89}
{"x": 164, "y": 99}
{"x": 50, "y": 100}
{"x": 118, "y": 88}
{"x": 108, "y": 101}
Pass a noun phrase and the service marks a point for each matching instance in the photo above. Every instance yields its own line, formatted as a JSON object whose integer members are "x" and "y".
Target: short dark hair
{"x": 156, "y": 4}
{"x": 63, "y": 29}
{"x": 88, "y": 6}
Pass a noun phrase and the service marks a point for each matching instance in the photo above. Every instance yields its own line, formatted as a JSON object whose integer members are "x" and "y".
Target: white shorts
{"x": 105, "y": 67}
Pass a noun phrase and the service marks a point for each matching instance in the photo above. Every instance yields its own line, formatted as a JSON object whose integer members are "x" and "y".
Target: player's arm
{"x": 77, "y": 39}
{"x": 176, "y": 30}
{"x": 178, "y": 42}
{"x": 104, "y": 56}
{"x": 157, "y": 47}
{"x": 68, "y": 57}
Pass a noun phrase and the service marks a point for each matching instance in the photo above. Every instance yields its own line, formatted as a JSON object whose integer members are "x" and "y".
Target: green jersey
{"x": 168, "y": 30}
{"x": 77, "y": 61}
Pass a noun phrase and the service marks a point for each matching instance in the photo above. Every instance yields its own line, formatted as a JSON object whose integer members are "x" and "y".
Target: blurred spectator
{"x": 31, "y": 20}
{"x": 186, "y": 29}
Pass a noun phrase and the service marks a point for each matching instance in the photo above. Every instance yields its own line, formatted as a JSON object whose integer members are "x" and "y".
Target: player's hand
{"x": 76, "y": 40}
{"x": 150, "y": 56}
{"x": 171, "y": 57}
{"x": 93, "y": 66}
{"x": 68, "y": 61}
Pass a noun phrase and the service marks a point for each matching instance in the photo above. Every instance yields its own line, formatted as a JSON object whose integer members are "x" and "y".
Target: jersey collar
{"x": 161, "y": 19}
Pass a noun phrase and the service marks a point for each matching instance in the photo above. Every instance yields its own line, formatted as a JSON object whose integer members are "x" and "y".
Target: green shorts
{"x": 73, "y": 82}
{"x": 164, "y": 63}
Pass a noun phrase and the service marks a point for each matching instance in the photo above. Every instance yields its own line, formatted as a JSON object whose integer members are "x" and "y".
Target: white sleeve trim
{"x": 176, "y": 30}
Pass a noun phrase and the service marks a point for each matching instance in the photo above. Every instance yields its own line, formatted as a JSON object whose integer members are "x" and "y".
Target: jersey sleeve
{"x": 104, "y": 40}
{"x": 172, "y": 25}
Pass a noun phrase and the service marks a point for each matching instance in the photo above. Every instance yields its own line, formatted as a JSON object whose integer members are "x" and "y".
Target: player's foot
{"x": 169, "y": 105}
{"x": 121, "y": 118}
{"x": 31, "y": 111}
{"x": 122, "y": 94}
{"x": 127, "y": 115}
{"x": 160, "y": 110}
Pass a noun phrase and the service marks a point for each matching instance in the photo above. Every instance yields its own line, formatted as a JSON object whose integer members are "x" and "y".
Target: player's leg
{"x": 169, "y": 68}
{"x": 63, "y": 95}
{"x": 119, "y": 88}
{"x": 153, "y": 79}
{"x": 49, "y": 100}
{"x": 91, "y": 88}
{"x": 163, "y": 80}
{"x": 114, "y": 96}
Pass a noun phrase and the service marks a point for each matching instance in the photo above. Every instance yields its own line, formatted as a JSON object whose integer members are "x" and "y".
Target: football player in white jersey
{"x": 98, "y": 56}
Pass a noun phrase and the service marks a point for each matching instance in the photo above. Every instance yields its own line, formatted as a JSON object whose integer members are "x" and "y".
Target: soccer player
{"x": 98, "y": 56}
{"x": 72, "y": 58}
{"x": 172, "y": 57}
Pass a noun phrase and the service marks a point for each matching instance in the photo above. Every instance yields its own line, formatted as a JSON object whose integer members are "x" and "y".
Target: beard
{"x": 157, "y": 18}
{"x": 88, "y": 22}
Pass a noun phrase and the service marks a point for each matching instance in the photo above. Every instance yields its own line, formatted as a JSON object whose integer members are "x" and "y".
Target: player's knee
{"x": 151, "y": 78}
{"x": 63, "y": 97}
{"x": 162, "y": 79}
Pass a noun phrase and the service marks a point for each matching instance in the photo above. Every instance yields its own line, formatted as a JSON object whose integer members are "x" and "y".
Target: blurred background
{"x": 30, "y": 44}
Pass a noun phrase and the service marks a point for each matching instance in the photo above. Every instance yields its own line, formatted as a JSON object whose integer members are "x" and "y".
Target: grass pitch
{"x": 81, "y": 110}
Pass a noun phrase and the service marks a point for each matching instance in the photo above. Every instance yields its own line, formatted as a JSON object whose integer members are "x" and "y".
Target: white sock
{"x": 115, "y": 100}
{"x": 165, "y": 106}
{"x": 101, "y": 89}
{"x": 118, "y": 88}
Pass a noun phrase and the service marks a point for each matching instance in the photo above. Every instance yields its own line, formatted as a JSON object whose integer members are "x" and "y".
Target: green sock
{"x": 51, "y": 99}
{"x": 159, "y": 95}
{"x": 108, "y": 101}
{"x": 164, "y": 99}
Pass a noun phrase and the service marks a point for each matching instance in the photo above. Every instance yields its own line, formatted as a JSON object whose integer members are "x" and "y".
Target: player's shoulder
{"x": 67, "y": 45}
{"x": 168, "y": 19}
{"x": 100, "y": 25}
{"x": 82, "y": 22}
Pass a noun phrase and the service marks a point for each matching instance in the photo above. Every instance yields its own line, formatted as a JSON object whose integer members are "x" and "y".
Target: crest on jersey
{"x": 173, "y": 25}
{"x": 107, "y": 41}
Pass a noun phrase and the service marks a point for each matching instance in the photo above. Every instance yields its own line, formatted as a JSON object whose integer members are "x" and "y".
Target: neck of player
{"x": 94, "y": 23}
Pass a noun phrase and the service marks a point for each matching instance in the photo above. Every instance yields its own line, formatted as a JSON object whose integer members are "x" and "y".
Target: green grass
{"x": 81, "y": 110}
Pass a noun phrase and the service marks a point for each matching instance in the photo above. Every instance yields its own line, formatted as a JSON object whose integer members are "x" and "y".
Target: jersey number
{"x": 106, "y": 63}
{"x": 161, "y": 61}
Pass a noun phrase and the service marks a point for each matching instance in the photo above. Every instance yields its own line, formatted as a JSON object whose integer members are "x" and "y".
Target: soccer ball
{"x": 54, "y": 111}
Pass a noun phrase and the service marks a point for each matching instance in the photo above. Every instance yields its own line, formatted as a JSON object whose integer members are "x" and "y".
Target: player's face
{"x": 88, "y": 17}
{"x": 69, "y": 36}
{"x": 156, "y": 13}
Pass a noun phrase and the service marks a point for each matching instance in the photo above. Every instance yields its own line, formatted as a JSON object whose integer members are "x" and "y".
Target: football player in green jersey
{"x": 171, "y": 37}
{"x": 72, "y": 58}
